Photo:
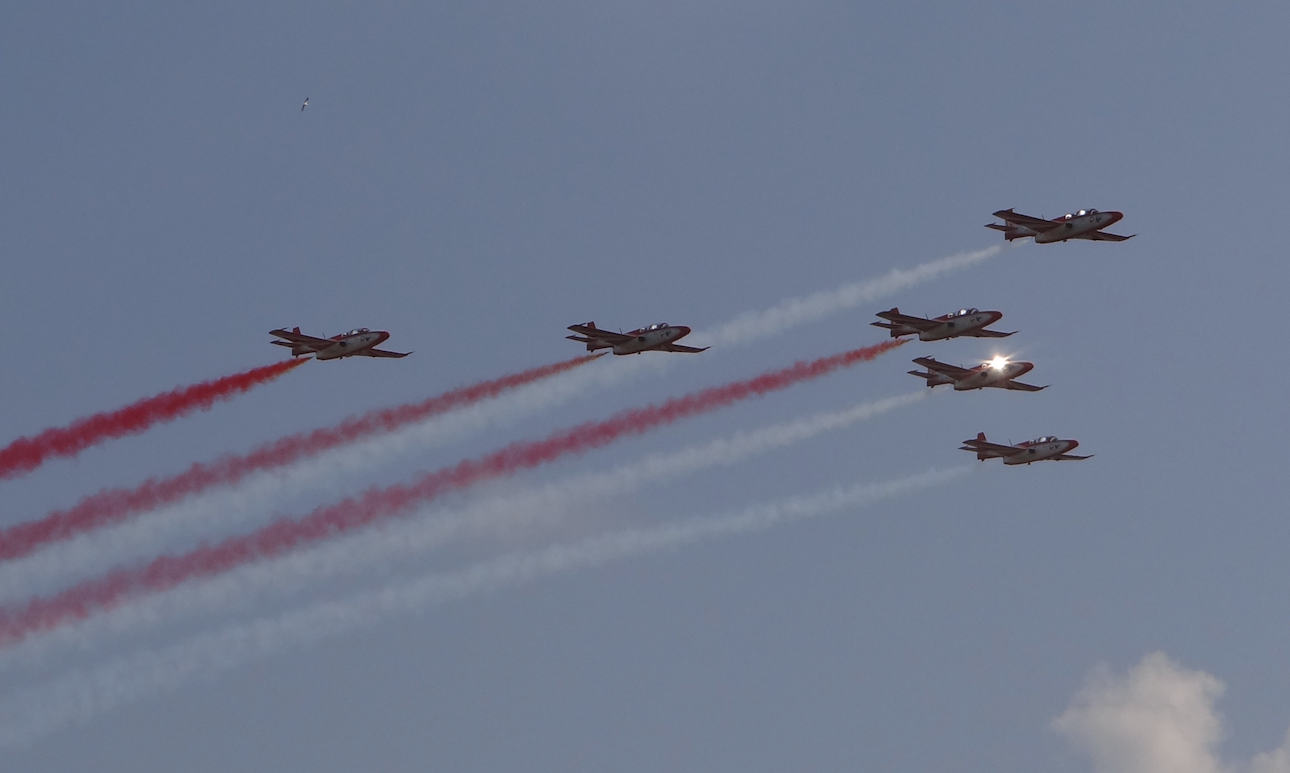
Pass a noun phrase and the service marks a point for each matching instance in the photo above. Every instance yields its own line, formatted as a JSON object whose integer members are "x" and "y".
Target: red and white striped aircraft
{"x": 998, "y": 372}
{"x": 1084, "y": 224}
{"x": 1044, "y": 449}
{"x": 964, "y": 322}
{"x": 360, "y": 342}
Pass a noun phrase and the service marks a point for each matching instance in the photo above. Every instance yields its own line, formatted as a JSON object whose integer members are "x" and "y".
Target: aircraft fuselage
{"x": 957, "y": 326}
{"x": 644, "y": 340}
{"x": 349, "y": 345}
{"x": 988, "y": 376}
{"x": 1076, "y": 226}
{"x": 1041, "y": 451}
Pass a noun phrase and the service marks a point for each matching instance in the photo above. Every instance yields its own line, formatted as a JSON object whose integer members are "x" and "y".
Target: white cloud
{"x": 1159, "y": 717}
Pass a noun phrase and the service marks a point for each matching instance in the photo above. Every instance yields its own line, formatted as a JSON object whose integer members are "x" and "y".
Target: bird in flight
{"x": 306, "y": 104}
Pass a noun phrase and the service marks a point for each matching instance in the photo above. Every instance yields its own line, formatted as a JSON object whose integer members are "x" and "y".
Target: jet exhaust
{"x": 113, "y": 505}
{"x": 79, "y": 601}
{"x": 27, "y": 453}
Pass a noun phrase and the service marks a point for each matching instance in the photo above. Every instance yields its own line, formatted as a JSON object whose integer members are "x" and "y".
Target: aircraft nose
{"x": 383, "y": 336}
{"x": 1073, "y": 444}
{"x": 1024, "y": 367}
{"x": 685, "y": 331}
{"x": 1115, "y": 216}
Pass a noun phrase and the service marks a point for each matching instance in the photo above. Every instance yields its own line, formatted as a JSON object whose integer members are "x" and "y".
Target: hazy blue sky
{"x": 475, "y": 177}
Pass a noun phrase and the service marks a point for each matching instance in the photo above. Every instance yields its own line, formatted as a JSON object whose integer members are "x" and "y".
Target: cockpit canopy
{"x": 1081, "y": 213}
{"x": 657, "y": 326}
{"x": 1041, "y": 440}
{"x": 356, "y": 331}
{"x": 961, "y": 313}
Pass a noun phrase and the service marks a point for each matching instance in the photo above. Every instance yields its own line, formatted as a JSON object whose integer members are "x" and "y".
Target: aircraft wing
{"x": 299, "y": 338}
{"x": 917, "y": 323}
{"x": 953, "y": 371}
{"x": 681, "y": 348}
{"x": 1071, "y": 457}
{"x": 1023, "y": 387}
{"x": 979, "y": 333}
{"x": 381, "y": 353}
{"x": 1103, "y": 236}
{"x": 597, "y": 335}
{"x": 1033, "y": 223}
{"x": 988, "y": 448}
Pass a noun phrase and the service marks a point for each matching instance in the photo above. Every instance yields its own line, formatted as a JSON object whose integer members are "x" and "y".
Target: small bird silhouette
{"x": 306, "y": 104}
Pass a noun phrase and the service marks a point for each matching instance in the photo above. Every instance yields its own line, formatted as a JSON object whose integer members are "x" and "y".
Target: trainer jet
{"x": 1084, "y": 224}
{"x": 1050, "y": 449}
{"x": 964, "y": 322}
{"x": 998, "y": 372}
{"x": 356, "y": 343}
{"x": 660, "y": 337}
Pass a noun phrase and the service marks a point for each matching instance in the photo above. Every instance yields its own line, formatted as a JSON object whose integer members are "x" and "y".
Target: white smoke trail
{"x": 79, "y": 695}
{"x": 493, "y": 515}
{"x": 756, "y": 325}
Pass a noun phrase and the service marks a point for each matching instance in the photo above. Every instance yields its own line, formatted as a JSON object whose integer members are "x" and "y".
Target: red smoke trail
{"x": 112, "y": 505}
{"x": 26, "y": 454}
{"x": 166, "y": 572}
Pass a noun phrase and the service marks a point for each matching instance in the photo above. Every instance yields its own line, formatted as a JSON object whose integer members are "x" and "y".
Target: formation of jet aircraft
{"x": 360, "y": 342}
{"x": 964, "y": 322}
{"x": 1044, "y": 449}
{"x": 998, "y": 373}
{"x": 1084, "y": 224}
{"x": 660, "y": 337}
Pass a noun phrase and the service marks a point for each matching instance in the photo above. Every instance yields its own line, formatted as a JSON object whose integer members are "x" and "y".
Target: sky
{"x": 845, "y": 589}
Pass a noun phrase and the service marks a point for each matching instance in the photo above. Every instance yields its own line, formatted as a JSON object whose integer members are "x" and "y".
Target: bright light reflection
{"x": 998, "y": 362}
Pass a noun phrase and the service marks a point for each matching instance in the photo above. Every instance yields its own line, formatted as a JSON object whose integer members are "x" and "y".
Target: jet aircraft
{"x": 1084, "y": 224}
{"x": 661, "y": 337}
{"x": 1048, "y": 448}
{"x": 360, "y": 342}
{"x": 964, "y": 322}
{"x": 998, "y": 372}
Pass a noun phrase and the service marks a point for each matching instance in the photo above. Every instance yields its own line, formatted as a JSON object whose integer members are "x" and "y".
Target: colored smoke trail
{"x": 112, "y": 505}
{"x": 512, "y": 515}
{"x": 26, "y": 454}
{"x": 756, "y": 325}
{"x": 81, "y": 694}
{"x": 165, "y": 572}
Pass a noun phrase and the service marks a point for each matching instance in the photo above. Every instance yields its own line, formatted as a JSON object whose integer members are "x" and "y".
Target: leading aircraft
{"x": 998, "y": 372}
{"x": 1084, "y": 224}
{"x": 964, "y": 322}
{"x": 360, "y": 342}
{"x": 660, "y": 338}
{"x": 1042, "y": 449}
